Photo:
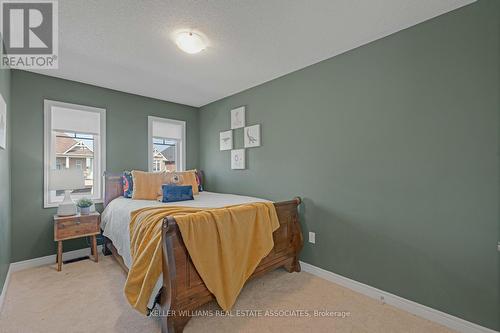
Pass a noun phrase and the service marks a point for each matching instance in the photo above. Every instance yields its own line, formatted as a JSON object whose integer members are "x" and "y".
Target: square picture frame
{"x": 238, "y": 117}
{"x": 238, "y": 159}
{"x": 226, "y": 140}
{"x": 251, "y": 136}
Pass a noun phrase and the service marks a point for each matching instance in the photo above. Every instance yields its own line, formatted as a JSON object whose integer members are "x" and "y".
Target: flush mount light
{"x": 190, "y": 42}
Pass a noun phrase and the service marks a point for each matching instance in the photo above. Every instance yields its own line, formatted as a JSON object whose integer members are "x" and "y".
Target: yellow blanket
{"x": 225, "y": 245}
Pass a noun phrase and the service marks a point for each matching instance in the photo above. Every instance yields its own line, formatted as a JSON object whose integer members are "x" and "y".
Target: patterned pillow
{"x": 198, "y": 180}
{"x": 128, "y": 184}
{"x": 183, "y": 178}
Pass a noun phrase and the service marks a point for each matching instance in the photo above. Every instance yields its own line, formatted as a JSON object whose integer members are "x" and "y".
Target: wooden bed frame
{"x": 183, "y": 290}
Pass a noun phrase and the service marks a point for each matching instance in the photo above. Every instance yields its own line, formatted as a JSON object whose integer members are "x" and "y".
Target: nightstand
{"x": 76, "y": 226}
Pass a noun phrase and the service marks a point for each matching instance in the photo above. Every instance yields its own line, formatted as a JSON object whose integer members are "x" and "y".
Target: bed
{"x": 180, "y": 290}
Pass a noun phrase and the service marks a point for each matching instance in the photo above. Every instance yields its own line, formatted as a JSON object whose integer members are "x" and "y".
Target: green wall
{"x": 392, "y": 146}
{"x": 394, "y": 149}
{"x": 5, "y": 216}
{"x": 126, "y": 125}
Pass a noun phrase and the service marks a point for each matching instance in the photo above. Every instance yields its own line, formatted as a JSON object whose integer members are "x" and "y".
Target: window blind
{"x": 168, "y": 130}
{"x": 70, "y": 120}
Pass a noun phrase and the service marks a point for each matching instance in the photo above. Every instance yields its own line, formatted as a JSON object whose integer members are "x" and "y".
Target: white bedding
{"x": 115, "y": 219}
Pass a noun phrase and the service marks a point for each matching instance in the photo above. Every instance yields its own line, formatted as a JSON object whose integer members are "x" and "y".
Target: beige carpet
{"x": 88, "y": 297}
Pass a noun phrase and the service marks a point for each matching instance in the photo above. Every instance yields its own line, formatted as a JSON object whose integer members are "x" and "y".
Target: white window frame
{"x": 49, "y": 144}
{"x": 181, "y": 146}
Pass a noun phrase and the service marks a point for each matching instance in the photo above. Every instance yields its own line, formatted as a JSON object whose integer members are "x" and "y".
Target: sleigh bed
{"x": 182, "y": 290}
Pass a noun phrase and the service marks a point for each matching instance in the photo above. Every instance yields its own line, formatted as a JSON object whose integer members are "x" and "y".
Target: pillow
{"x": 173, "y": 193}
{"x": 128, "y": 184}
{"x": 198, "y": 180}
{"x": 183, "y": 178}
{"x": 147, "y": 185}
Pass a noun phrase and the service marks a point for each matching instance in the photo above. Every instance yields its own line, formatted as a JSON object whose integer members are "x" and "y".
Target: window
{"x": 74, "y": 138}
{"x": 166, "y": 144}
{"x": 156, "y": 166}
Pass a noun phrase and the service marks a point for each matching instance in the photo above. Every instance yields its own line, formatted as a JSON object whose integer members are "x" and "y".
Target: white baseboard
{"x": 4, "y": 289}
{"x": 417, "y": 309}
{"x": 49, "y": 260}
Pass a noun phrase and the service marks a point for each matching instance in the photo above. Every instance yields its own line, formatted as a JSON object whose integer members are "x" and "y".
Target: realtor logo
{"x": 30, "y": 34}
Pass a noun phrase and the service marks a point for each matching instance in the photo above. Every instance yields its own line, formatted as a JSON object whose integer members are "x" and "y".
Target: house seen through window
{"x": 75, "y": 138}
{"x": 166, "y": 144}
{"x": 164, "y": 155}
{"x": 76, "y": 151}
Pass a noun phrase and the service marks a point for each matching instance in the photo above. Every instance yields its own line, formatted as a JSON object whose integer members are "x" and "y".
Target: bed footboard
{"x": 183, "y": 289}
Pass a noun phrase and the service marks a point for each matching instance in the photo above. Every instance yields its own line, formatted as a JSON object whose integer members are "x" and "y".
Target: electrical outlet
{"x": 498, "y": 246}
{"x": 312, "y": 237}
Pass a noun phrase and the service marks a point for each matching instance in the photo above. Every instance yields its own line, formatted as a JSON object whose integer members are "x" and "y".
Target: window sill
{"x": 56, "y": 204}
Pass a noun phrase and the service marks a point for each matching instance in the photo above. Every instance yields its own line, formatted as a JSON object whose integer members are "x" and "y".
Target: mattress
{"x": 115, "y": 219}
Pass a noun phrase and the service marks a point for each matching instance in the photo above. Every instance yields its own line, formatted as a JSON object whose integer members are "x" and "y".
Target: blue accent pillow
{"x": 173, "y": 193}
{"x": 128, "y": 184}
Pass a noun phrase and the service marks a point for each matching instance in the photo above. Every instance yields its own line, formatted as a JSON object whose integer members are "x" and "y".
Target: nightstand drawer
{"x": 76, "y": 227}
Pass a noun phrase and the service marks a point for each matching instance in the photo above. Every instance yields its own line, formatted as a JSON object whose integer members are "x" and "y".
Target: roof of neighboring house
{"x": 66, "y": 145}
{"x": 169, "y": 153}
{"x": 157, "y": 154}
{"x": 63, "y": 143}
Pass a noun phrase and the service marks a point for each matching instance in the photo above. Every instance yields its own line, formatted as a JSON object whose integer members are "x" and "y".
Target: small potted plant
{"x": 84, "y": 204}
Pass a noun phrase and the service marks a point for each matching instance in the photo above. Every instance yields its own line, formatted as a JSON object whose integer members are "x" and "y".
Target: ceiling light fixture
{"x": 190, "y": 42}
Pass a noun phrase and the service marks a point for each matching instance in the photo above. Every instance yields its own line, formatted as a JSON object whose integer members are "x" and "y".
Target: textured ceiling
{"x": 127, "y": 44}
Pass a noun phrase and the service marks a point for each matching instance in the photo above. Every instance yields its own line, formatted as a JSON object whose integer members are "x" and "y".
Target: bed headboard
{"x": 113, "y": 186}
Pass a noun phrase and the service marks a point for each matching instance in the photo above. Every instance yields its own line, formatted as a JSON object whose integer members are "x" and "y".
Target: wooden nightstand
{"x": 76, "y": 226}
